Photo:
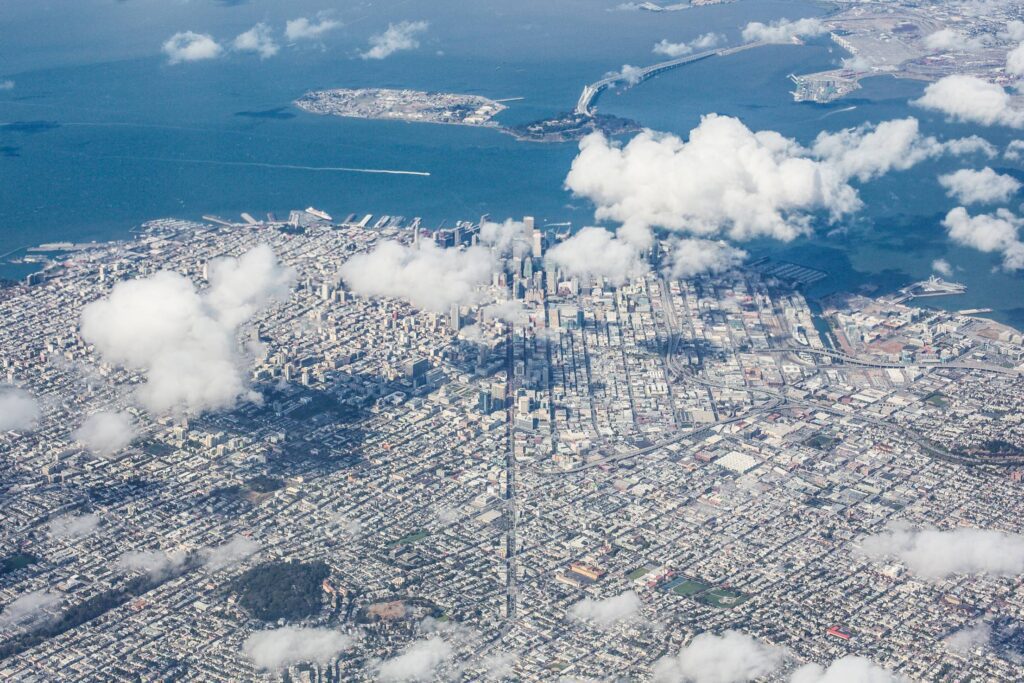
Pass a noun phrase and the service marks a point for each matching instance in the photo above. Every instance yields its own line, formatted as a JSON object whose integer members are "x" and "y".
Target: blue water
{"x": 109, "y": 135}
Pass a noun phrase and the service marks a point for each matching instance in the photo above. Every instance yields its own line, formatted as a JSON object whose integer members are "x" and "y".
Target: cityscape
{"x": 757, "y": 416}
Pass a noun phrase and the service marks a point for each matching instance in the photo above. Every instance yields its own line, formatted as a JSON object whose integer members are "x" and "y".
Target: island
{"x": 463, "y": 110}
{"x": 402, "y": 105}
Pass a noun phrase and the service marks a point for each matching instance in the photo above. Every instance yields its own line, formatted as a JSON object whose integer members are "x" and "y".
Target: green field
{"x": 724, "y": 597}
{"x": 689, "y": 587}
{"x": 637, "y": 573}
{"x": 412, "y": 538}
{"x": 685, "y": 586}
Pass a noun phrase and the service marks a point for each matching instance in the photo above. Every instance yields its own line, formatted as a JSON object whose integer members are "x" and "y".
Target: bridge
{"x": 584, "y": 106}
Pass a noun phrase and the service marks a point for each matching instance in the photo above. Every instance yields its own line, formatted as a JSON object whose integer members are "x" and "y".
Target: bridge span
{"x": 584, "y": 106}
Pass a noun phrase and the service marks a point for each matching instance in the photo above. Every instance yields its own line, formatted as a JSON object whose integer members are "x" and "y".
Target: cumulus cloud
{"x": 849, "y": 669}
{"x": 305, "y": 29}
{"x": 692, "y": 257}
{"x": 859, "y": 63}
{"x": 986, "y": 186}
{"x": 258, "y": 39}
{"x": 282, "y": 647}
{"x": 867, "y": 152}
{"x": 702, "y": 42}
{"x": 972, "y": 100}
{"x": 783, "y": 30}
{"x": 229, "y": 554}
{"x": 417, "y": 662}
{"x": 188, "y": 46}
{"x": 942, "y": 267}
{"x": 105, "y": 433}
{"x": 498, "y": 666}
{"x": 1015, "y": 61}
{"x": 29, "y": 608}
{"x": 994, "y": 232}
{"x": 156, "y": 563}
{"x": 425, "y": 275}
{"x": 969, "y": 638}
{"x": 509, "y": 237}
{"x": 1014, "y": 30}
{"x": 1014, "y": 150}
{"x": 932, "y": 553}
{"x": 948, "y": 39}
{"x": 69, "y": 526}
{"x": 732, "y": 657}
{"x": 184, "y": 340}
{"x": 606, "y": 612}
{"x": 19, "y": 411}
{"x": 510, "y": 311}
{"x": 729, "y": 181}
{"x": 595, "y": 252}
{"x": 629, "y": 73}
{"x": 397, "y": 37}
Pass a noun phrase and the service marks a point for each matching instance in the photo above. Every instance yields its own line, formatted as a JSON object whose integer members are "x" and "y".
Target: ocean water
{"x": 100, "y": 134}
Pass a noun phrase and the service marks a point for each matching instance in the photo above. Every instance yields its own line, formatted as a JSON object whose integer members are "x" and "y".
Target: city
{"x": 563, "y": 477}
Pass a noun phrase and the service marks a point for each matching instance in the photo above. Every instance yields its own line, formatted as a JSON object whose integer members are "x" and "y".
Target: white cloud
{"x": 417, "y": 662}
{"x": 783, "y": 30}
{"x": 1014, "y": 30}
{"x": 702, "y": 42}
{"x": 970, "y": 99}
{"x": 512, "y": 311}
{"x": 989, "y": 233}
{"x": 498, "y": 666}
{"x": 282, "y": 647}
{"x": 629, "y": 73}
{"x": 692, "y": 257}
{"x": 509, "y": 237}
{"x": 860, "y": 63}
{"x": 29, "y": 607}
{"x": 595, "y": 252}
{"x": 729, "y": 181}
{"x": 1015, "y": 61}
{"x": 7, "y": 84}
{"x": 849, "y": 669}
{"x": 187, "y": 46}
{"x": 397, "y": 37}
{"x": 986, "y": 186}
{"x": 969, "y": 638}
{"x": 732, "y": 657}
{"x": 942, "y": 267}
{"x": 606, "y": 612}
{"x": 427, "y": 276}
{"x": 948, "y": 39}
{"x": 258, "y": 39}
{"x": 19, "y": 411}
{"x": 867, "y": 152}
{"x": 931, "y": 553}
{"x": 156, "y": 563}
{"x": 229, "y": 554}
{"x": 74, "y": 527}
{"x": 1014, "y": 150}
{"x": 304, "y": 29}
{"x": 105, "y": 433}
{"x": 183, "y": 340}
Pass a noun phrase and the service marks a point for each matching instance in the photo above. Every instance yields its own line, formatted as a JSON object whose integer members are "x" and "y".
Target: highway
{"x": 868, "y": 362}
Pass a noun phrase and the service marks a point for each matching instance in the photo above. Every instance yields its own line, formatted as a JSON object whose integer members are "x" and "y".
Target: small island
{"x": 402, "y": 105}
{"x": 462, "y": 110}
